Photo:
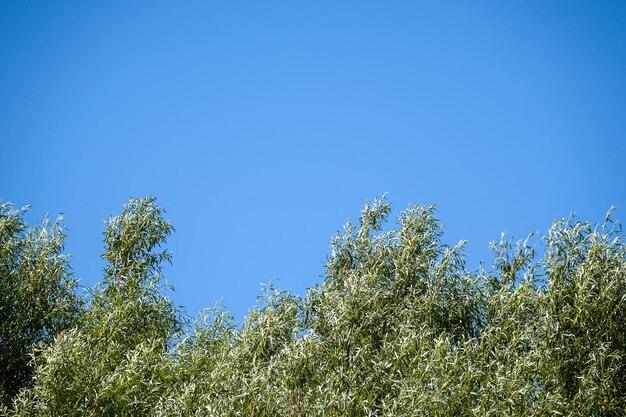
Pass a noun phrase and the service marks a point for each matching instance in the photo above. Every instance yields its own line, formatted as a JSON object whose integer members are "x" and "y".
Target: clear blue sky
{"x": 263, "y": 126}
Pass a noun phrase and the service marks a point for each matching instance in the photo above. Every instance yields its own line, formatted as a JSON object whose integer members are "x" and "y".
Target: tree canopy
{"x": 399, "y": 326}
{"x": 37, "y": 295}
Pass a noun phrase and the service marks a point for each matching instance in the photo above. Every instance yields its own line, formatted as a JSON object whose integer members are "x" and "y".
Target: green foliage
{"x": 114, "y": 363}
{"x": 398, "y": 327}
{"x": 37, "y": 295}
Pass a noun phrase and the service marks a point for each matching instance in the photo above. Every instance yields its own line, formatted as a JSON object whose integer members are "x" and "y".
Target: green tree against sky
{"x": 37, "y": 295}
{"x": 399, "y": 326}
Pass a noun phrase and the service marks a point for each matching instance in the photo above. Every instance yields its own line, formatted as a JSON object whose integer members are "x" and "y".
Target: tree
{"x": 37, "y": 295}
{"x": 398, "y": 327}
{"x": 114, "y": 362}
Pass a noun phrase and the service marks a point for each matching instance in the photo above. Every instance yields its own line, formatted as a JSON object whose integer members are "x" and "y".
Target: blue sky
{"x": 263, "y": 126}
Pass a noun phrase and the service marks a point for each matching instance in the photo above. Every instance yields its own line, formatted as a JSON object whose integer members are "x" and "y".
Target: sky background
{"x": 263, "y": 126}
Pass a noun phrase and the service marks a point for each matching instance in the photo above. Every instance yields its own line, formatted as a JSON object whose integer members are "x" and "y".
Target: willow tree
{"x": 37, "y": 295}
{"x": 113, "y": 362}
{"x": 399, "y": 326}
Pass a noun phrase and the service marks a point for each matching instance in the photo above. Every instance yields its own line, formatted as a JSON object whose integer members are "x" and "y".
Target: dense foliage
{"x": 37, "y": 295}
{"x": 398, "y": 327}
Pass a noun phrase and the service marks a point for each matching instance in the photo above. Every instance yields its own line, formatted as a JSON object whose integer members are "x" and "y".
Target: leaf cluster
{"x": 398, "y": 327}
{"x": 37, "y": 294}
